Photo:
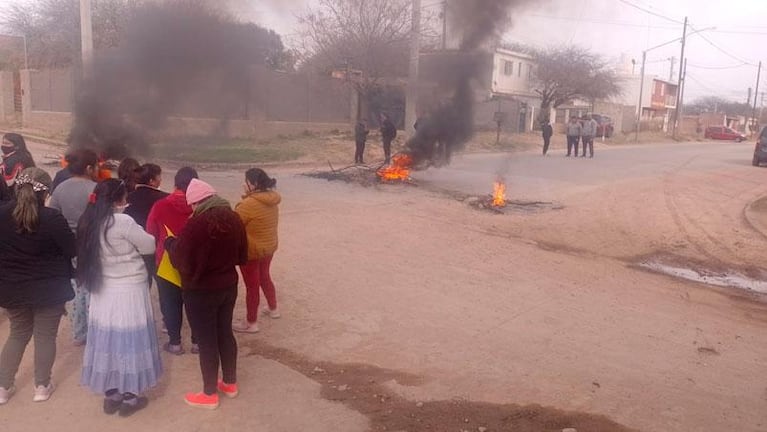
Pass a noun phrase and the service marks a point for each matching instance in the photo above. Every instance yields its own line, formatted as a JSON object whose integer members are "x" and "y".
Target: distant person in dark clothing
{"x": 547, "y": 131}
{"x": 388, "y": 133}
{"x": 16, "y": 157}
{"x": 360, "y": 137}
{"x": 128, "y": 172}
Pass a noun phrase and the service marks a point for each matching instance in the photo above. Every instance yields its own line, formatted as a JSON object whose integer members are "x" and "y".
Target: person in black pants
{"x": 360, "y": 136}
{"x": 573, "y": 135}
{"x": 171, "y": 214}
{"x": 206, "y": 253}
{"x": 388, "y": 133}
{"x": 547, "y": 131}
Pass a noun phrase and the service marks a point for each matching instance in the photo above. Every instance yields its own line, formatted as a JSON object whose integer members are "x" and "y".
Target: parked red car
{"x": 604, "y": 125}
{"x": 724, "y": 133}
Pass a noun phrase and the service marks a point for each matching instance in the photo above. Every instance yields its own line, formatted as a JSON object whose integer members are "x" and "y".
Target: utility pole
{"x": 444, "y": 25}
{"x": 672, "y": 59}
{"x": 682, "y": 87}
{"x": 641, "y": 91}
{"x": 412, "y": 82}
{"x": 756, "y": 92}
{"x": 86, "y": 37}
{"x": 679, "y": 83}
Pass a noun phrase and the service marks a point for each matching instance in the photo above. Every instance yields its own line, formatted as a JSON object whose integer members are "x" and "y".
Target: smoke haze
{"x": 451, "y": 125}
{"x": 168, "y": 52}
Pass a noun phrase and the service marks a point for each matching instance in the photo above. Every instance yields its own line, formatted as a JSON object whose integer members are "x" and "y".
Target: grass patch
{"x": 222, "y": 150}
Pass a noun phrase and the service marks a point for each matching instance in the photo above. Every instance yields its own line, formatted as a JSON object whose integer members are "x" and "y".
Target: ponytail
{"x": 26, "y": 214}
{"x": 32, "y": 186}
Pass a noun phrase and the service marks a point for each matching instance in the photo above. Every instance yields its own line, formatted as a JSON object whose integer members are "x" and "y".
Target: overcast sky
{"x": 721, "y": 62}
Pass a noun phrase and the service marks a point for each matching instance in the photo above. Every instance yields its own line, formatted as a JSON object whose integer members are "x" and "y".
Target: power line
{"x": 647, "y": 11}
{"x": 722, "y": 50}
{"x": 718, "y": 67}
{"x": 607, "y": 22}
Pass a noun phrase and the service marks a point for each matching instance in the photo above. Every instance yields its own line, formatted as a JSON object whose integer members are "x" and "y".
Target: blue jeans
{"x": 79, "y": 313}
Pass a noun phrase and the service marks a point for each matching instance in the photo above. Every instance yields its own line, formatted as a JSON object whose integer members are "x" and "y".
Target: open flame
{"x": 499, "y": 193}
{"x": 398, "y": 169}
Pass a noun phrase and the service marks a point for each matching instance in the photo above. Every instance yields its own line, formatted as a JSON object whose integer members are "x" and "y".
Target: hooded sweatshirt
{"x": 259, "y": 214}
{"x": 171, "y": 211}
{"x": 210, "y": 246}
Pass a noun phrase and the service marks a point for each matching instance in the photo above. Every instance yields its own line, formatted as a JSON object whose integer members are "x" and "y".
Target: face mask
{"x": 7, "y": 150}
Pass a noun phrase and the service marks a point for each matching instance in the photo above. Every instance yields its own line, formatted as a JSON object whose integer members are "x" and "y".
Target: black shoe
{"x": 111, "y": 406}
{"x": 128, "y": 409}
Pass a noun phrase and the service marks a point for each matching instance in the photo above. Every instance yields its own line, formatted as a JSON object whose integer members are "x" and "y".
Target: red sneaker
{"x": 202, "y": 400}
{"x": 229, "y": 390}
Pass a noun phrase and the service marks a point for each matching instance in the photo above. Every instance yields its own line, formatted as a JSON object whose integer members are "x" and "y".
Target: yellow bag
{"x": 166, "y": 270}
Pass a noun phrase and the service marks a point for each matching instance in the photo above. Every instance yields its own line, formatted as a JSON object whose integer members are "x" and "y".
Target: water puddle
{"x": 726, "y": 279}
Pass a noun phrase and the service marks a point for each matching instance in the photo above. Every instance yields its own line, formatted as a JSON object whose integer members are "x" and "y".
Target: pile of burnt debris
{"x": 364, "y": 175}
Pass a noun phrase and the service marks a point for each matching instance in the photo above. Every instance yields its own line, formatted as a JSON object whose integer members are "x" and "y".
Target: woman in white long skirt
{"x": 122, "y": 358}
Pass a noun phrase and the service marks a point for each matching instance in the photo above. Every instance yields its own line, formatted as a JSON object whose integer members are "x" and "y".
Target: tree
{"x": 52, "y": 27}
{"x": 368, "y": 39}
{"x": 718, "y": 104}
{"x": 564, "y": 74}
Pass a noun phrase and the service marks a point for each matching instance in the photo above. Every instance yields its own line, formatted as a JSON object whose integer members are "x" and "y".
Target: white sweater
{"x": 121, "y": 252}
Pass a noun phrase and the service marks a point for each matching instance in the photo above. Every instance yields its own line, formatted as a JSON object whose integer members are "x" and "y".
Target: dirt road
{"x": 414, "y": 296}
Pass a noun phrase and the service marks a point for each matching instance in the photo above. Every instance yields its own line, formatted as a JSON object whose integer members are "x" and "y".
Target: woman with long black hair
{"x": 122, "y": 357}
{"x": 16, "y": 157}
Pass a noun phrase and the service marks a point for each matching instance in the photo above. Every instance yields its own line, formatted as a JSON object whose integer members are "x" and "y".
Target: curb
{"x": 36, "y": 138}
{"x": 750, "y": 215}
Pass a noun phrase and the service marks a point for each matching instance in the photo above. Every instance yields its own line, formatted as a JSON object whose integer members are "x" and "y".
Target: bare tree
{"x": 717, "y": 104}
{"x": 564, "y": 74}
{"x": 51, "y": 27}
{"x": 368, "y": 39}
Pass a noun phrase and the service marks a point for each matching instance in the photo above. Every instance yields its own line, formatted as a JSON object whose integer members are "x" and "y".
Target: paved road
{"x": 554, "y": 175}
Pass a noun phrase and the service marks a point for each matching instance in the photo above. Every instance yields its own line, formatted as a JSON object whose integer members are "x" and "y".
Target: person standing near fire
{"x": 573, "y": 131}
{"x": 547, "y": 131}
{"x": 388, "y": 133}
{"x": 588, "y": 133}
{"x": 259, "y": 213}
{"x": 360, "y": 137}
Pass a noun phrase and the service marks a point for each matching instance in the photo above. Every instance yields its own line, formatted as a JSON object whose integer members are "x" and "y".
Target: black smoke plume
{"x": 178, "y": 58}
{"x": 451, "y": 125}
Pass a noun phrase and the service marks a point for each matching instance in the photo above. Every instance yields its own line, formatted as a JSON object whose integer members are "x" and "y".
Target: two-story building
{"x": 662, "y": 99}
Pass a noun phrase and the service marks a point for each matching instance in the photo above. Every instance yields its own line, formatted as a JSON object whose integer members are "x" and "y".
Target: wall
{"x": 275, "y": 103}
{"x": 519, "y": 81}
{"x": 7, "y": 111}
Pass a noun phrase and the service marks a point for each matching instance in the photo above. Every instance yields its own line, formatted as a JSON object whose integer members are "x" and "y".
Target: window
{"x": 662, "y": 89}
{"x": 508, "y": 68}
{"x": 529, "y": 71}
{"x": 519, "y": 70}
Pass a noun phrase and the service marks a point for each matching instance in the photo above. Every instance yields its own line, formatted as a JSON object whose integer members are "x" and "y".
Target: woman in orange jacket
{"x": 259, "y": 213}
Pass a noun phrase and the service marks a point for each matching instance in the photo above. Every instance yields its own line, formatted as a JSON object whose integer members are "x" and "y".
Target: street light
{"x": 641, "y": 80}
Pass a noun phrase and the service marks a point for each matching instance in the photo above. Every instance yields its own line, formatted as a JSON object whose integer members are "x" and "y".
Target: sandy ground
{"x": 424, "y": 301}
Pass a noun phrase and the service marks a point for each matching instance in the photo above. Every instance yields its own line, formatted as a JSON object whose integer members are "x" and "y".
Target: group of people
{"x": 361, "y": 132}
{"x": 578, "y": 130}
{"x": 97, "y": 245}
